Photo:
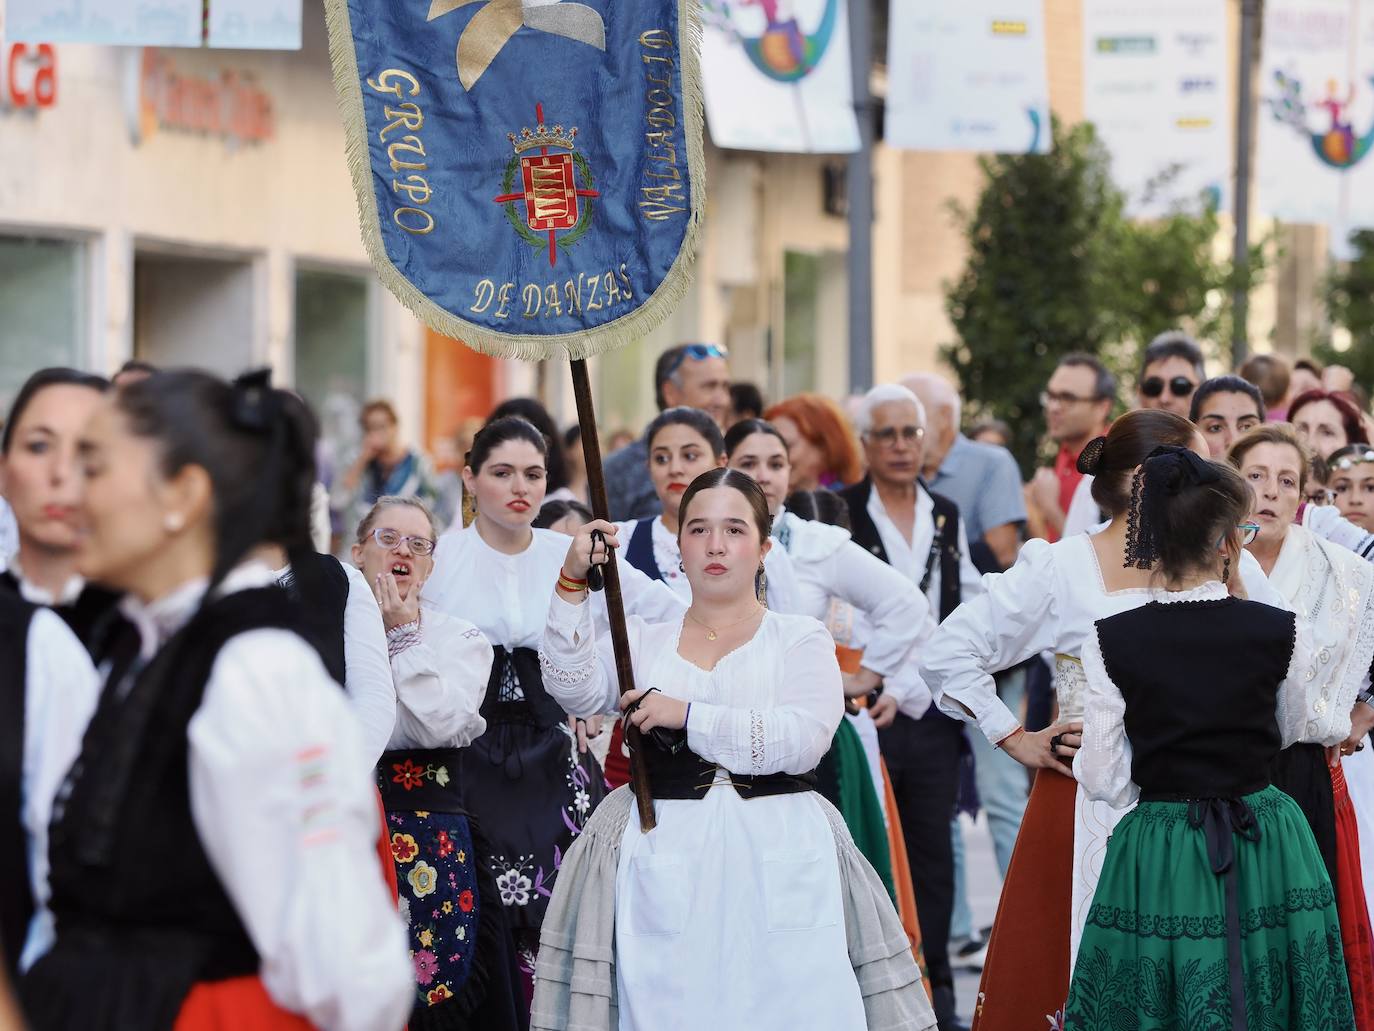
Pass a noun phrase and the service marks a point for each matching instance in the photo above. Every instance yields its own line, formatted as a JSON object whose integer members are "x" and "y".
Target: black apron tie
{"x": 1220, "y": 819}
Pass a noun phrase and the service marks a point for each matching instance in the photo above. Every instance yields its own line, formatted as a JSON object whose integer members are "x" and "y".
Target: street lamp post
{"x": 1240, "y": 298}
{"x": 860, "y": 203}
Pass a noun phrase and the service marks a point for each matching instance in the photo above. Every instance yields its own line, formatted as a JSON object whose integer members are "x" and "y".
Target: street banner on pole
{"x": 529, "y": 174}
{"x": 777, "y": 75}
{"x": 968, "y": 75}
{"x": 1316, "y": 116}
{"x": 254, "y": 24}
{"x": 1156, "y": 86}
{"x": 154, "y": 23}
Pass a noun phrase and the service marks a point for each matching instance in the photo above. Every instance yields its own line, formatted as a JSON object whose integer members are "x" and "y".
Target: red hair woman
{"x": 820, "y": 443}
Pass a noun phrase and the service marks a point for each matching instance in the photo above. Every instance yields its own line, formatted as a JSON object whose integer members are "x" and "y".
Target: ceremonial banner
{"x": 968, "y": 75}
{"x": 777, "y": 75}
{"x": 255, "y": 24}
{"x": 529, "y": 175}
{"x": 1155, "y": 85}
{"x": 1316, "y": 118}
{"x": 164, "y": 23}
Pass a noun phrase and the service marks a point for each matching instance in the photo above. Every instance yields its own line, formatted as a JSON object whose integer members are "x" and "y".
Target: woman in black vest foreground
{"x": 1213, "y": 908}
{"x": 211, "y": 852}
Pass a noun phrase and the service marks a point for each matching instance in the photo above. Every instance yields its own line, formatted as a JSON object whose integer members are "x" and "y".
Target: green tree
{"x": 1054, "y": 266}
{"x": 1349, "y": 296}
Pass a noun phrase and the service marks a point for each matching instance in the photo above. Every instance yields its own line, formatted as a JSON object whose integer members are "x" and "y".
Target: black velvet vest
{"x": 16, "y": 902}
{"x": 141, "y": 914}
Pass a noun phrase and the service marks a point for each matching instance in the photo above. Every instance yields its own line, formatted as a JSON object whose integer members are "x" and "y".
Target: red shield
{"x": 550, "y": 191}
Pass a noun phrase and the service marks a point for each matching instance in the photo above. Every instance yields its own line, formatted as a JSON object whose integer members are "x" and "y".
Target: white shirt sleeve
{"x": 1083, "y": 513}
{"x": 1103, "y": 763}
{"x": 441, "y": 680}
{"x": 1013, "y": 620}
{"x": 897, "y": 614}
{"x": 61, "y": 689}
{"x": 1327, "y": 522}
{"x": 283, "y": 801}
{"x": 368, "y": 679}
{"x": 970, "y": 580}
{"x": 651, "y": 600}
{"x": 790, "y": 738}
{"x": 1292, "y": 698}
{"x": 576, "y": 674}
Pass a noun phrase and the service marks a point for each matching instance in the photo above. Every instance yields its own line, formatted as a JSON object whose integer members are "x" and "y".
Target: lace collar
{"x": 159, "y": 619}
{"x": 1212, "y": 590}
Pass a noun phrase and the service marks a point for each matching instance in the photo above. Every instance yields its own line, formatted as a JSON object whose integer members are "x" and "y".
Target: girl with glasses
{"x": 1332, "y": 591}
{"x": 464, "y": 964}
{"x": 1181, "y": 932}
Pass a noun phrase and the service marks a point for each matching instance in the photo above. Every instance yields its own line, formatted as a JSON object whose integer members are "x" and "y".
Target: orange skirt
{"x": 1026, "y": 976}
{"x": 901, "y": 877}
{"x": 1351, "y": 907}
{"x": 236, "y": 1004}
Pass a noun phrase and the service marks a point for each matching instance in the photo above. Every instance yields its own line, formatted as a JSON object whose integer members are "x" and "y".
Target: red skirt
{"x": 235, "y": 1005}
{"x": 1351, "y": 907}
{"x": 617, "y": 768}
{"x": 1026, "y": 976}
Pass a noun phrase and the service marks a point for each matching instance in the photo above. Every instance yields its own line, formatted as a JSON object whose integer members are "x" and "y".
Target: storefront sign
{"x": 231, "y": 106}
{"x": 28, "y": 76}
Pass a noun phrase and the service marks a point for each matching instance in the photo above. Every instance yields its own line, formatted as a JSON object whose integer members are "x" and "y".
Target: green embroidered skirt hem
{"x": 1154, "y": 952}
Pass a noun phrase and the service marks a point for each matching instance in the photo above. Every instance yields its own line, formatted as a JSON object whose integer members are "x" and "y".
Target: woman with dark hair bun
{"x": 1213, "y": 908}
{"x": 746, "y": 860}
{"x": 40, "y": 478}
{"x": 1048, "y": 601}
{"x": 528, "y": 779}
{"x": 275, "y": 912}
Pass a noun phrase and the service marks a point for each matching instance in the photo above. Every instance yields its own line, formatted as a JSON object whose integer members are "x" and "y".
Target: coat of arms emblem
{"x": 548, "y": 186}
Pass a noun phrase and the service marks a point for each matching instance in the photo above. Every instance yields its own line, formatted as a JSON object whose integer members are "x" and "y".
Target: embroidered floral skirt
{"x": 531, "y": 793}
{"x": 1154, "y": 951}
{"x": 465, "y": 968}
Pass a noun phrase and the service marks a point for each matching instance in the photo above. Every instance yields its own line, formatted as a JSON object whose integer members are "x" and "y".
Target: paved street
{"x": 984, "y": 884}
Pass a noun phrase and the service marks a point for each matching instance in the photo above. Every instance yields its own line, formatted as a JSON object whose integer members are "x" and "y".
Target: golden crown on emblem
{"x": 542, "y": 136}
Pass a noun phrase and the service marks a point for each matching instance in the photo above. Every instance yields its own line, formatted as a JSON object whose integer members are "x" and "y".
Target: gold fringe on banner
{"x": 626, "y": 329}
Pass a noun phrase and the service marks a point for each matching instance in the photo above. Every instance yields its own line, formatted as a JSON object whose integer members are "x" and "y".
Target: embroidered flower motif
{"x": 423, "y": 879}
{"x": 514, "y": 887}
{"x": 448, "y": 907}
{"x": 582, "y": 802}
{"x": 441, "y": 776}
{"x": 408, "y": 775}
{"x": 403, "y": 847}
{"x": 422, "y": 813}
{"x": 462, "y": 934}
{"x": 465, "y": 901}
{"x": 439, "y": 995}
{"x": 426, "y": 937}
{"x": 403, "y": 907}
{"x": 426, "y": 966}
{"x": 446, "y": 845}
{"x": 462, "y": 856}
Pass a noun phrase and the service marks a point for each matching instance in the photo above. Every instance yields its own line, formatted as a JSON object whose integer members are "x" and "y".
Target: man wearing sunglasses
{"x": 694, "y": 375}
{"x": 1170, "y": 372}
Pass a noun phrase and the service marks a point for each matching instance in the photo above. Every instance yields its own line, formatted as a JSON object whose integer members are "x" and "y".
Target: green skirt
{"x": 1154, "y": 952}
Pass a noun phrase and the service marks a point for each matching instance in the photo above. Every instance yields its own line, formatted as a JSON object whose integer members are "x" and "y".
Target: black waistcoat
{"x": 16, "y": 902}
{"x": 944, "y": 551}
{"x": 89, "y": 615}
{"x": 320, "y": 584}
{"x": 141, "y": 914}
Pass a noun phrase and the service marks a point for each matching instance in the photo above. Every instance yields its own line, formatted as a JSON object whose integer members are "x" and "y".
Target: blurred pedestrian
{"x": 746, "y": 402}
{"x": 384, "y": 467}
{"x": 820, "y": 442}
{"x": 1078, "y": 402}
{"x": 1326, "y": 422}
{"x": 1225, "y": 408}
{"x": 1170, "y": 371}
{"x": 1273, "y": 375}
{"x": 691, "y": 375}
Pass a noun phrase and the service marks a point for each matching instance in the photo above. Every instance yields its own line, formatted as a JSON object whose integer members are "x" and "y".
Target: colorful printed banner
{"x": 165, "y": 23}
{"x": 777, "y": 75}
{"x": 1316, "y": 117}
{"x": 968, "y": 75}
{"x": 528, "y": 174}
{"x": 1155, "y": 84}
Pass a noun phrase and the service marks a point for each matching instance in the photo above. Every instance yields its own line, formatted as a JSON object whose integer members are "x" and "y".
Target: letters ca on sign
{"x": 28, "y": 76}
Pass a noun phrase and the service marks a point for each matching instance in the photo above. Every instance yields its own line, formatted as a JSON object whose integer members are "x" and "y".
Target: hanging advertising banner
{"x": 1316, "y": 117}
{"x": 1155, "y": 85}
{"x": 968, "y": 75}
{"x": 165, "y": 23}
{"x": 529, "y": 175}
{"x": 777, "y": 75}
{"x": 254, "y": 24}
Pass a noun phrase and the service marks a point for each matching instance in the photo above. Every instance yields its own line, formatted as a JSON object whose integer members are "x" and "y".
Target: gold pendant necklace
{"x": 711, "y": 634}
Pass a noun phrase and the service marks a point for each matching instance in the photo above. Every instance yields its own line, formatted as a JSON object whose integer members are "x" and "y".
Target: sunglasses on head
{"x": 698, "y": 353}
{"x": 1179, "y": 386}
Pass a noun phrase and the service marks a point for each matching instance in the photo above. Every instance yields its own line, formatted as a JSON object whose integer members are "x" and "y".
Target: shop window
{"x": 42, "y": 309}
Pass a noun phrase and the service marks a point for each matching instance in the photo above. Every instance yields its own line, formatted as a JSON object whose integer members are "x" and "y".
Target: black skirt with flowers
{"x": 465, "y": 970}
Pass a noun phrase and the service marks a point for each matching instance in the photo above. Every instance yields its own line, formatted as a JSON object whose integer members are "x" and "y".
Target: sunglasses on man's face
{"x": 1179, "y": 386}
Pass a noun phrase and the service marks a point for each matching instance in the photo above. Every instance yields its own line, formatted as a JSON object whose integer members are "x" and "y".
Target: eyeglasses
{"x": 889, "y": 435}
{"x": 1320, "y": 497}
{"x": 1248, "y": 532}
{"x": 391, "y": 540}
{"x": 1179, "y": 386}
{"x": 1346, "y": 461}
{"x": 1050, "y": 397}
{"x": 696, "y": 352}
